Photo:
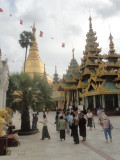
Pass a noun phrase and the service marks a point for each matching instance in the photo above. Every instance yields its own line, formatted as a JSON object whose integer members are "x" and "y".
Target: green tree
{"x": 25, "y": 41}
{"x": 25, "y": 92}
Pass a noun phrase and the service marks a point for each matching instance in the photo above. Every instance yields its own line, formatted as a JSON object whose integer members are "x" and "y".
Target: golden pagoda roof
{"x": 34, "y": 64}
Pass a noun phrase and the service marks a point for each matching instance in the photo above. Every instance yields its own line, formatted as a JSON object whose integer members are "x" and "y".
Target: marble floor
{"x": 95, "y": 148}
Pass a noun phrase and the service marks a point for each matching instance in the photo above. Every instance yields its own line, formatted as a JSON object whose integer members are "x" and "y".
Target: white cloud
{"x": 66, "y": 21}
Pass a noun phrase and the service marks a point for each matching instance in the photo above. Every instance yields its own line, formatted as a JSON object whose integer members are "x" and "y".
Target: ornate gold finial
{"x": 55, "y": 69}
{"x": 111, "y": 45}
{"x": 90, "y": 23}
{"x": 0, "y": 54}
{"x": 73, "y": 52}
{"x": 33, "y": 28}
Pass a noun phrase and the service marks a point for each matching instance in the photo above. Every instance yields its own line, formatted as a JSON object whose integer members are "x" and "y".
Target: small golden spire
{"x": 90, "y": 23}
{"x": 55, "y": 69}
{"x": 73, "y": 52}
{"x": 33, "y": 28}
{"x": 111, "y": 45}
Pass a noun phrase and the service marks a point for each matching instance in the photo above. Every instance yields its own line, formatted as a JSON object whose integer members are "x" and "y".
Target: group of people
{"x": 68, "y": 122}
{"x": 75, "y": 123}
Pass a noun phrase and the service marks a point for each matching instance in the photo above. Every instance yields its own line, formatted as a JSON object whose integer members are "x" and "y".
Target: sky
{"x": 64, "y": 20}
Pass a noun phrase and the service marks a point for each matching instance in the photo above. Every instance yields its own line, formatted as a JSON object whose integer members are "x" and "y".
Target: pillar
{"x": 68, "y": 98}
{"x": 119, "y": 101}
{"x": 77, "y": 97}
{"x": 94, "y": 102}
{"x": 86, "y": 102}
{"x": 4, "y": 100}
{"x": 103, "y": 101}
{"x": 1, "y": 97}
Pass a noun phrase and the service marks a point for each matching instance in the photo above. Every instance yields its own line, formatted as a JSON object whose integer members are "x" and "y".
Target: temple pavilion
{"x": 34, "y": 65}
{"x": 69, "y": 83}
{"x": 57, "y": 96}
{"x": 96, "y": 82}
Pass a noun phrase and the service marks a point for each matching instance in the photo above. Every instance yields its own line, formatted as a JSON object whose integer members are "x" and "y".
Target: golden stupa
{"x": 34, "y": 65}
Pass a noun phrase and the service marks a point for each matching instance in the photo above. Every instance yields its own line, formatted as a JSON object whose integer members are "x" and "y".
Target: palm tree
{"x": 27, "y": 92}
{"x": 25, "y": 41}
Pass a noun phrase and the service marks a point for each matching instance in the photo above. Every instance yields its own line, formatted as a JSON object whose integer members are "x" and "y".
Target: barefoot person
{"x": 62, "y": 127}
{"x": 107, "y": 131}
{"x": 45, "y": 133}
{"x": 82, "y": 127}
{"x": 90, "y": 119}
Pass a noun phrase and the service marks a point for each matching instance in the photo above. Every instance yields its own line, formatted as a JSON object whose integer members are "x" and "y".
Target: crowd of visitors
{"x": 74, "y": 122}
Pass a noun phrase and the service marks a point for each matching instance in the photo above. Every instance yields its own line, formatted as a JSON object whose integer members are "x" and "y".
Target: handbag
{"x": 110, "y": 126}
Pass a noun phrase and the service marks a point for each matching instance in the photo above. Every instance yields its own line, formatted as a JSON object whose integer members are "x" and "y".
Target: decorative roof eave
{"x": 70, "y": 88}
{"x": 75, "y": 76}
{"x": 117, "y": 79}
{"x": 117, "y": 86}
{"x": 70, "y": 81}
{"x": 98, "y": 93}
{"x": 112, "y": 64}
{"x": 87, "y": 72}
{"x": 108, "y": 74}
{"x": 109, "y": 55}
{"x": 81, "y": 85}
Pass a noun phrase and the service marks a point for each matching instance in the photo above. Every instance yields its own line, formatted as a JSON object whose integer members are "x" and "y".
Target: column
{"x": 1, "y": 97}
{"x": 77, "y": 97}
{"x": 68, "y": 98}
{"x": 86, "y": 102}
{"x": 119, "y": 101}
{"x": 103, "y": 101}
{"x": 94, "y": 102}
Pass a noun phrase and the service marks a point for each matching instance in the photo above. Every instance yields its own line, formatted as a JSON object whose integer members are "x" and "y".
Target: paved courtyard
{"x": 95, "y": 148}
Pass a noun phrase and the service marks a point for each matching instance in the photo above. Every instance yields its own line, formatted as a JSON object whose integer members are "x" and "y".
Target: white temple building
{"x": 3, "y": 81}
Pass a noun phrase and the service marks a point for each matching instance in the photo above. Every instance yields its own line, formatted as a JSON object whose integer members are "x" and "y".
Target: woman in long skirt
{"x": 82, "y": 127}
{"x": 45, "y": 133}
{"x": 75, "y": 129}
{"x": 57, "y": 120}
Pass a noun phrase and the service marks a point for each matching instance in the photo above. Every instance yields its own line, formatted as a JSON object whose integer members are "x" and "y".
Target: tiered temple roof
{"x": 71, "y": 78}
{"x": 55, "y": 78}
{"x": 91, "y": 57}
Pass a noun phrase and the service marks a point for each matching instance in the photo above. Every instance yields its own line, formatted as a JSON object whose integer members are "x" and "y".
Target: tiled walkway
{"x": 95, "y": 148}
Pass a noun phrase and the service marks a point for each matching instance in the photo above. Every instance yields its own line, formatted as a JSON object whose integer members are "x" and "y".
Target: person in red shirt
{"x": 47, "y": 110}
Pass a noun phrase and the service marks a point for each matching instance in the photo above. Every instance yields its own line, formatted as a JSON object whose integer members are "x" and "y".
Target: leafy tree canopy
{"x": 23, "y": 90}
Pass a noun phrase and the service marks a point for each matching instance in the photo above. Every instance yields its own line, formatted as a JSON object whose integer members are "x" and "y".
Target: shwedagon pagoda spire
{"x": 34, "y": 65}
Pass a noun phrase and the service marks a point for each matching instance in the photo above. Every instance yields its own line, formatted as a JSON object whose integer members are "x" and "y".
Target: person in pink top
{"x": 107, "y": 131}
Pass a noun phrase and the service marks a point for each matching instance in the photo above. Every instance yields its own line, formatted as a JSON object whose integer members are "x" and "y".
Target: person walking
{"x": 107, "y": 131}
{"x": 45, "y": 133}
{"x": 62, "y": 127}
{"x": 75, "y": 129}
{"x": 99, "y": 112}
{"x": 57, "y": 120}
{"x": 89, "y": 119}
{"x": 67, "y": 122}
{"x": 70, "y": 122}
{"x": 82, "y": 127}
{"x": 47, "y": 110}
